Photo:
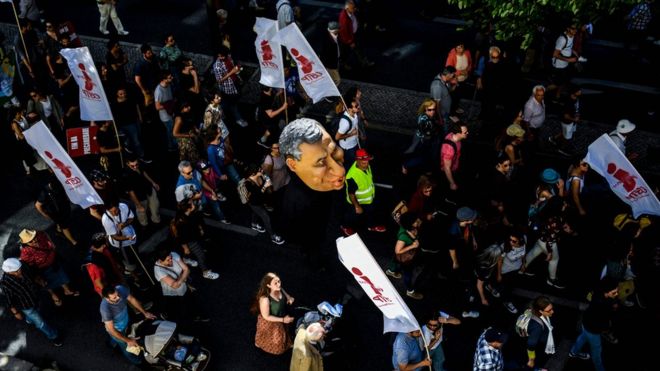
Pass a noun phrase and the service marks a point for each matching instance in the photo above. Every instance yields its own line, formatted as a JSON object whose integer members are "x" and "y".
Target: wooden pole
{"x": 18, "y": 24}
{"x": 426, "y": 347}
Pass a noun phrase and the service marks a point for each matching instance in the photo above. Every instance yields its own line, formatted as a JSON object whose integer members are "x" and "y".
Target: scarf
{"x": 550, "y": 344}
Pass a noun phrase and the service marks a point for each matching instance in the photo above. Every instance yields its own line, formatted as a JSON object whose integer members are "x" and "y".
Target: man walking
{"x": 360, "y": 194}
{"x": 164, "y": 100}
{"x": 347, "y": 135}
{"x": 20, "y": 294}
{"x": 488, "y": 355}
{"x": 142, "y": 190}
{"x": 441, "y": 87}
{"x": 108, "y": 9}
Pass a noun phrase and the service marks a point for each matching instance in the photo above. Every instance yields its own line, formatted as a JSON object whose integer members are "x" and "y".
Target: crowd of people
{"x": 480, "y": 229}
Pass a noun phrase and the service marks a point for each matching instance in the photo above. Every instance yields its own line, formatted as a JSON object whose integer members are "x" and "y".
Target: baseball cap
{"x": 362, "y": 154}
{"x": 11, "y": 265}
{"x": 624, "y": 126}
{"x": 496, "y": 335}
{"x": 465, "y": 214}
{"x": 203, "y": 165}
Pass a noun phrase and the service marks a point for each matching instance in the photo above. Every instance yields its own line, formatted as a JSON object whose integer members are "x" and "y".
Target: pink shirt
{"x": 447, "y": 153}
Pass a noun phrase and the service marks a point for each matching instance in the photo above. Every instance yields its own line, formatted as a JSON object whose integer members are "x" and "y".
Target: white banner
{"x": 93, "y": 102}
{"x": 313, "y": 77}
{"x": 624, "y": 180}
{"x": 358, "y": 260}
{"x": 269, "y": 53}
{"x": 77, "y": 187}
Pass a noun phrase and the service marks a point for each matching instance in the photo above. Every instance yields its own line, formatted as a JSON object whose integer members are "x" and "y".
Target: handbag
{"x": 407, "y": 256}
{"x": 400, "y": 209}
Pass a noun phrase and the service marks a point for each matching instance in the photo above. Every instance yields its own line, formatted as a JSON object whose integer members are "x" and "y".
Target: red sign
{"x": 82, "y": 141}
{"x": 67, "y": 28}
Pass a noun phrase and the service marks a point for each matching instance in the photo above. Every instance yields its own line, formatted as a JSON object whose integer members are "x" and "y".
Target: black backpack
{"x": 333, "y": 126}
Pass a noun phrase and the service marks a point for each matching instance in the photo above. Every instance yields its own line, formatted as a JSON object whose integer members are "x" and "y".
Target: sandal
{"x": 57, "y": 302}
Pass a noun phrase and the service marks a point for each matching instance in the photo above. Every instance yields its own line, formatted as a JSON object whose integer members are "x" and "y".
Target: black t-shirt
{"x": 125, "y": 112}
{"x": 256, "y": 196}
{"x": 54, "y": 200}
{"x": 186, "y": 81}
{"x": 107, "y": 139}
{"x": 119, "y": 74}
{"x": 136, "y": 182}
{"x": 266, "y": 102}
{"x": 148, "y": 72}
{"x": 571, "y": 108}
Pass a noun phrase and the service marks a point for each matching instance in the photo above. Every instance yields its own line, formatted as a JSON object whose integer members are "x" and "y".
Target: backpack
{"x": 523, "y": 322}
{"x": 333, "y": 126}
{"x": 243, "y": 193}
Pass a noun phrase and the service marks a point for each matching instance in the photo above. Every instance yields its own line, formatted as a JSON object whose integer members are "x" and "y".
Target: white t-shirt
{"x": 513, "y": 259}
{"x": 175, "y": 271}
{"x": 110, "y": 223}
{"x": 565, "y": 45}
{"x": 428, "y": 335}
{"x": 346, "y": 127}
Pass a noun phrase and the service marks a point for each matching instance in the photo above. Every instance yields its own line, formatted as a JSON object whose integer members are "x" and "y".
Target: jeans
{"x": 215, "y": 209}
{"x": 539, "y": 248}
{"x": 136, "y": 360}
{"x": 32, "y": 316}
{"x": 169, "y": 128}
{"x": 232, "y": 173}
{"x": 595, "y": 347}
{"x": 229, "y": 104}
{"x": 132, "y": 133}
{"x": 438, "y": 358}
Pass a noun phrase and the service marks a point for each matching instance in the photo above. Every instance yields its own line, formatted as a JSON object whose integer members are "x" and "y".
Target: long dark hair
{"x": 262, "y": 291}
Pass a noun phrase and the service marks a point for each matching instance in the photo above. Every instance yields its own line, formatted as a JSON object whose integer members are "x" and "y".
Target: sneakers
{"x": 105, "y": 32}
{"x": 493, "y": 291}
{"x": 242, "y": 123}
{"x": 527, "y": 273}
{"x": 510, "y": 307}
{"x": 393, "y": 274}
{"x": 210, "y": 275}
{"x": 57, "y": 341}
{"x": 258, "y": 228}
{"x": 414, "y": 295}
{"x": 277, "y": 240}
{"x": 221, "y": 197}
{"x": 582, "y": 59}
{"x": 471, "y": 314}
{"x": 582, "y": 356}
{"x": 145, "y": 160}
{"x": 610, "y": 338}
{"x": 554, "y": 283}
{"x": 122, "y": 33}
{"x": 225, "y": 221}
{"x": 628, "y": 303}
{"x": 190, "y": 262}
{"x": 347, "y": 231}
{"x": 377, "y": 228}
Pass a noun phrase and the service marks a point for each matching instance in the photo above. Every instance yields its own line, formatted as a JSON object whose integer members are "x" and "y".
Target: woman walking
{"x": 270, "y": 306}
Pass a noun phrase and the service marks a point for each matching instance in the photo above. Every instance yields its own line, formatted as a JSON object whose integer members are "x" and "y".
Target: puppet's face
{"x": 320, "y": 166}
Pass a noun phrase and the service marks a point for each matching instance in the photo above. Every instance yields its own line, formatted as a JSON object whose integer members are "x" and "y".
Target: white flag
{"x": 77, "y": 187}
{"x": 313, "y": 77}
{"x": 606, "y": 159}
{"x": 269, "y": 53}
{"x": 358, "y": 260}
{"x": 93, "y": 102}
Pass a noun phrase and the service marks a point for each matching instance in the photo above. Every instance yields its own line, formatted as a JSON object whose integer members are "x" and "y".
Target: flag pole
{"x": 426, "y": 347}
{"x": 18, "y": 24}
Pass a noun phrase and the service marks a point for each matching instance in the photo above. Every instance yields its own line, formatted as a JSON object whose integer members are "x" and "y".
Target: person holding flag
{"x": 407, "y": 355}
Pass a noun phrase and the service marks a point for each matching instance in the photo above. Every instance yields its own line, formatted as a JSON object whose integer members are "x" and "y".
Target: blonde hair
{"x": 428, "y": 102}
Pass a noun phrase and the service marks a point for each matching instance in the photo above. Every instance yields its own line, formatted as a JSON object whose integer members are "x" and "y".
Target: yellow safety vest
{"x": 365, "y": 182}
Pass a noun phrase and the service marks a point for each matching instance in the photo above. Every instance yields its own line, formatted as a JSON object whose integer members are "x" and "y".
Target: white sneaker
{"x": 278, "y": 240}
{"x": 258, "y": 228}
{"x": 582, "y": 59}
{"x": 122, "y": 33}
{"x": 105, "y": 32}
{"x": 210, "y": 275}
{"x": 510, "y": 307}
{"x": 471, "y": 314}
{"x": 242, "y": 123}
{"x": 190, "y": 262}
{"x": 493, "y": 291}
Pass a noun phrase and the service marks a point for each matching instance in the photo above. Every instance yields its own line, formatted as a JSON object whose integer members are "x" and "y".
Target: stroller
{"x": 166, "y": 349}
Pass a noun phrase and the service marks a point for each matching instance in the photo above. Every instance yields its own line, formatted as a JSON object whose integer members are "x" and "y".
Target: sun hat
{"x": 27, "y": 235}
{"x": 515, "y": 130}
{"x": 550, "y": 176}
{"x": 465, "y": 214}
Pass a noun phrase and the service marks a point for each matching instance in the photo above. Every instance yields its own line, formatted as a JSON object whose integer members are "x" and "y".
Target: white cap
{"x": 11, "y": 265}
{"x": 624, "y": 127}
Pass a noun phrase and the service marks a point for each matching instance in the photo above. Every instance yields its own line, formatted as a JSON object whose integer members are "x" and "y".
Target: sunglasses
{"x": 187, "y": 172}
{"x": 430, "y": 109}
{"x": 430, "y": 325}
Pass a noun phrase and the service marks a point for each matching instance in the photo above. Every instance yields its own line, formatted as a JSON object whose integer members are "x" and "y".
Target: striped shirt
{"x": 19, "y": 292}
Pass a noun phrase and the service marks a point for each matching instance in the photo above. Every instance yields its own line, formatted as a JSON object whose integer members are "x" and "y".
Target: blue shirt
{"x": 117, "y": 312}
{"x": 406, "y": 350}
{"x": 196, "y": 181}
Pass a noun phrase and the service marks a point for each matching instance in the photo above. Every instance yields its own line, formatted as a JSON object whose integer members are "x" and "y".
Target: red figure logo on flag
{"x": 377, "y": 290}
{"x": 88, "y": 87}
{"x": 266, "y": 51}
{"x": 622, "y": 176}
{"x": 305, "y": 63}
